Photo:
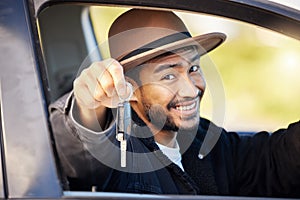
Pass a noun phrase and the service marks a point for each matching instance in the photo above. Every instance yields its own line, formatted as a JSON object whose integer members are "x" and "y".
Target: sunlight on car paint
{"x": 290, "y": 3}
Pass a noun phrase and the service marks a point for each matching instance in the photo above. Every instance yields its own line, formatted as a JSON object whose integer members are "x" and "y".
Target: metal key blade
{"x": 123, "y": 146}
{"x": 124, "y": 126}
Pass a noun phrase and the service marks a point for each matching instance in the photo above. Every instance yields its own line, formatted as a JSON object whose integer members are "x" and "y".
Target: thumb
{"x": 134, "y": 87}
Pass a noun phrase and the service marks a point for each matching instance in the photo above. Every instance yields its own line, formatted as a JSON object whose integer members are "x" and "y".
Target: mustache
{"x": 176, "y": 101}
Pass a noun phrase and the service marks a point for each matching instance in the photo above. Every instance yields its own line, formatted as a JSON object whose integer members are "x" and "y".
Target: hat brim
{"x": 206, "y": 43}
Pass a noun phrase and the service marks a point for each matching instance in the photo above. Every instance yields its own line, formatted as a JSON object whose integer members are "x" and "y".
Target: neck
{"x": 164, "y": 137}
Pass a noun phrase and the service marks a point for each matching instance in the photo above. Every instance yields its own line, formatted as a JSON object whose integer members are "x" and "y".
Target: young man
{"x": 154, "y": 52}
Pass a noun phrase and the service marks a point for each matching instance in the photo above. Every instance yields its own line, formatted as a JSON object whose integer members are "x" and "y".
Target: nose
{"x": 189, "y": 87}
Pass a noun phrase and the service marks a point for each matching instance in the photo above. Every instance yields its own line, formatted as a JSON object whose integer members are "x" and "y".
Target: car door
{"x": 27, "y": 162}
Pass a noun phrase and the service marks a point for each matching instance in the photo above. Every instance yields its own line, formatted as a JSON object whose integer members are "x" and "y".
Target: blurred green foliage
{"x": 261, "y": 80}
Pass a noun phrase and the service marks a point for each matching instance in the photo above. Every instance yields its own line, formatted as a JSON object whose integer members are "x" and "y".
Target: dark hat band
{"x": 158, "y": 43}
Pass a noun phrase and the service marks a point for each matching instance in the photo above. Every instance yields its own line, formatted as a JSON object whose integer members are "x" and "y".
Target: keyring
{"x": 130, "y": 94}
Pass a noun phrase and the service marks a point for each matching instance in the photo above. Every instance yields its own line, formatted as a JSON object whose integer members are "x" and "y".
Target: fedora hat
{"x": 139, "y": 35}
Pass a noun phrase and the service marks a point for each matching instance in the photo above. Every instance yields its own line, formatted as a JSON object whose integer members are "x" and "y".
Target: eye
{"x": 168, "y": 77}
{"x": 194, "y": 68}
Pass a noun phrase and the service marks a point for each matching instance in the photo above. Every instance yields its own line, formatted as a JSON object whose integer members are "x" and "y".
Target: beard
{"x": 159, "y": 117}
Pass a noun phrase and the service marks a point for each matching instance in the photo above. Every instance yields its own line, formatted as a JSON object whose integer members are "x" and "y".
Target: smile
{"x": 186, "y": 107}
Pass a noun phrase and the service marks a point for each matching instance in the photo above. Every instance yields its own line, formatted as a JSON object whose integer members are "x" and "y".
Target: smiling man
{"x": 154, "y": 51}
{"x": 170, "y": 89}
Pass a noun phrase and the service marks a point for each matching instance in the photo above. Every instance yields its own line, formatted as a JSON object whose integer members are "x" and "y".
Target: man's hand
{"x": 101, "y": 84}
{"x": 99, "y": 87}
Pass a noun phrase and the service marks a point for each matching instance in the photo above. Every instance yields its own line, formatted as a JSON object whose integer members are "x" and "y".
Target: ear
{"x": 135, "y": 88}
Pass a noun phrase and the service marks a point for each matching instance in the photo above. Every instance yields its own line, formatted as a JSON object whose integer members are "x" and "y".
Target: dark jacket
{"x": 260, "y": 165}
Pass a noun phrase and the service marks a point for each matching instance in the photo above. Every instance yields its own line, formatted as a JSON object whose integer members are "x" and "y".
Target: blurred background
{"x": 256, "y": 71}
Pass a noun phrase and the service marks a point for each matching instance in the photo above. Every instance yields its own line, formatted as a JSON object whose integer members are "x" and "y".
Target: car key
{"x": 124, "y": 124}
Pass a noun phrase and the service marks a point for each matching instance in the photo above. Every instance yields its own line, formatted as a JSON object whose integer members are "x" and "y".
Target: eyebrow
{"x": 167, "y": 66}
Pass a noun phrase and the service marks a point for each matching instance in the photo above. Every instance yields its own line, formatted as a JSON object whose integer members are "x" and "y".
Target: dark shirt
{"x": 259, "y": 165}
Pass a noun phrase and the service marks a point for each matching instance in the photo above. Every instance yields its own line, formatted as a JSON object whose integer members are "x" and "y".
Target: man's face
{"x": 171, "y": 90}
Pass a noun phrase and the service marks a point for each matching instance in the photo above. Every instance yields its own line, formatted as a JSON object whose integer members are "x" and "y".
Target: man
{"x": 154, "y": 52}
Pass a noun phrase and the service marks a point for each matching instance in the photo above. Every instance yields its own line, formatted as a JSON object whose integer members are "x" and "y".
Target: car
{"x": 45, "y": 43}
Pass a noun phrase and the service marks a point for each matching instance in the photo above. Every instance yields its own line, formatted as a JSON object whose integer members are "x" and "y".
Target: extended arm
{"x": 83, "y": 125}
{"x": 269, "y": 164}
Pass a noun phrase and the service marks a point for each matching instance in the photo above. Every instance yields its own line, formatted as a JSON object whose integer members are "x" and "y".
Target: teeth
{"x": 184, "y": 108}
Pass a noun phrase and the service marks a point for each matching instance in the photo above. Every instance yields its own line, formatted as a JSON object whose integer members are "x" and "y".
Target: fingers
{"x": 102, "y": 82}
{"x": 116, "y": 71}
{"x": 84, "y": 97}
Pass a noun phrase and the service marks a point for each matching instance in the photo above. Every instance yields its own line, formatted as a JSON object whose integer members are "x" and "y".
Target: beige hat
{"x": 139, "y": 35}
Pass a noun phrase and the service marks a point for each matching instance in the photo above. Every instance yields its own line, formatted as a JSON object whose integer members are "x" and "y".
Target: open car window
{"x": 257, "y": 69}
{"x": 252, "y": 79}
